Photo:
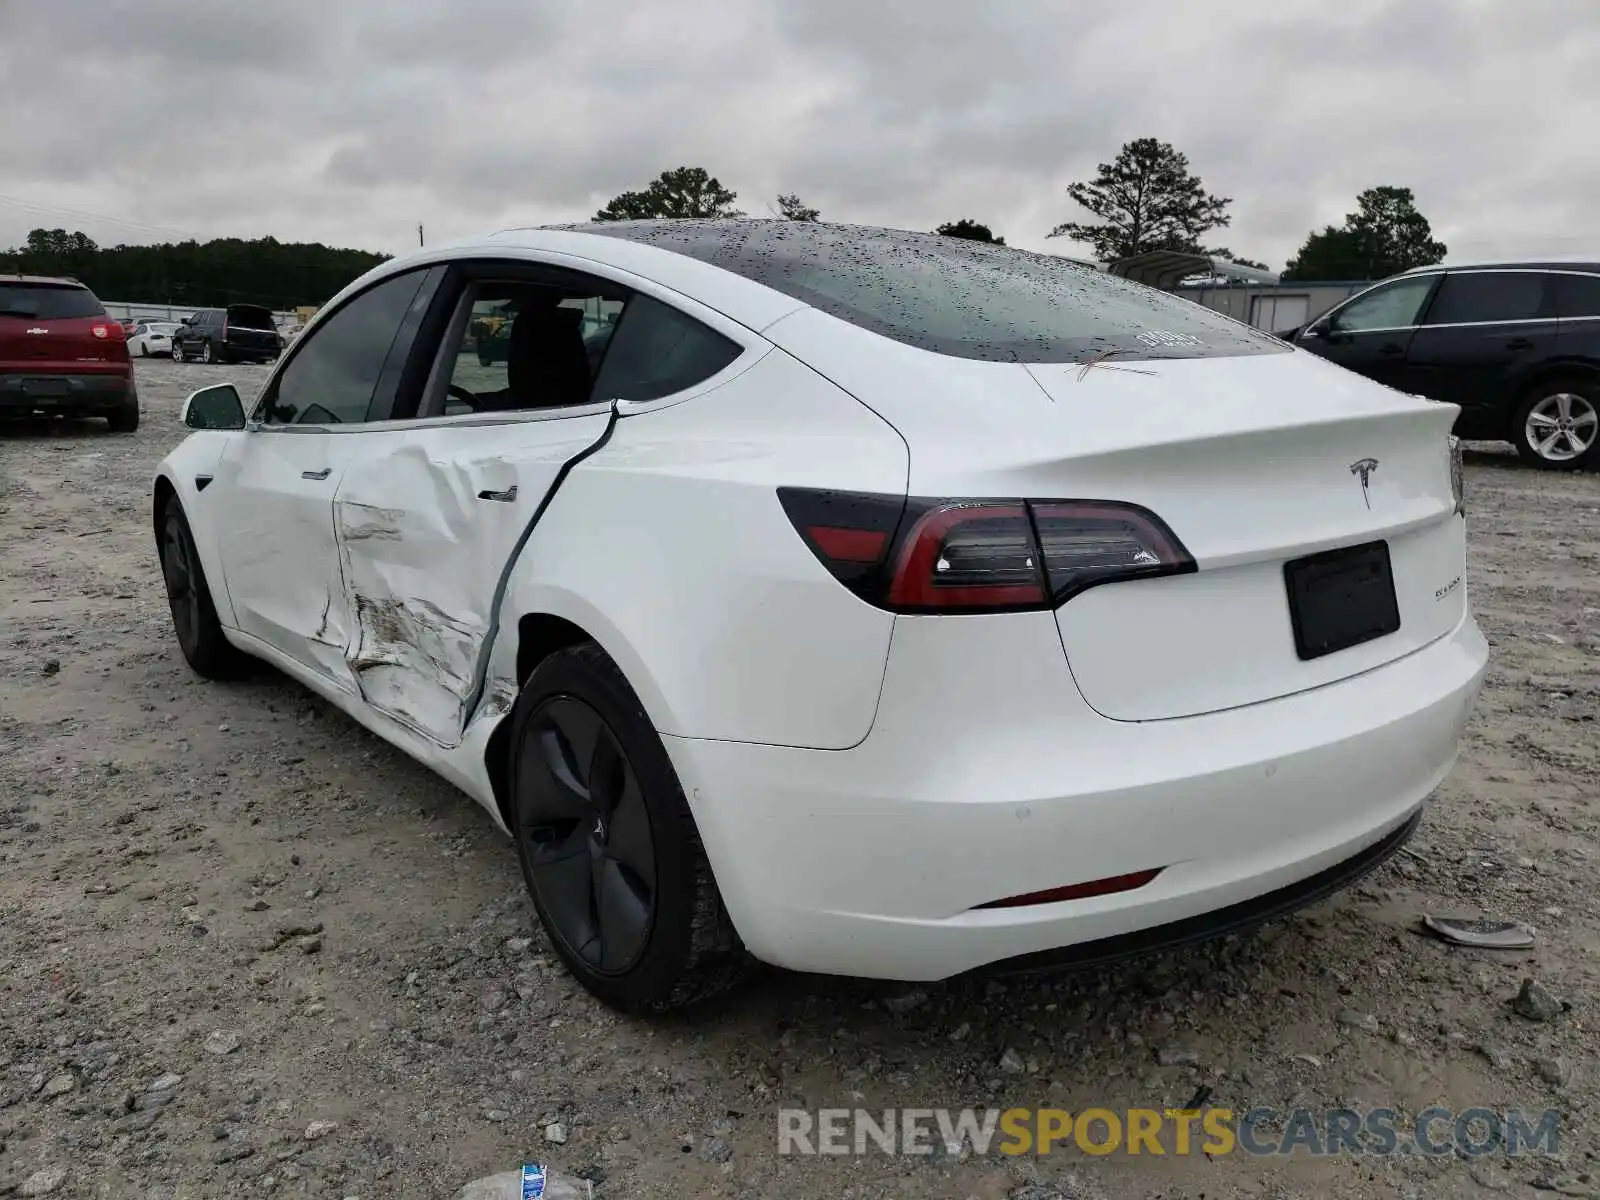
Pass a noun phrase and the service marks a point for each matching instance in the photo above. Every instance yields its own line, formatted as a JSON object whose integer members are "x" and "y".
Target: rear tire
{"x": 194, "y": 617}
{"x": 144, "y": 350}
{"x": 1557, "y": 425}
{"x": 123, "y": 420}
{"x": 206, "y": 356}
{"x": 609, "y": 849}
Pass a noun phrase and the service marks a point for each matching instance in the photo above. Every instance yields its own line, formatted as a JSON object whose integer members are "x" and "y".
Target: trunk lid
{"x": 251, "y": 329}
{"x": 1253, "y": 462}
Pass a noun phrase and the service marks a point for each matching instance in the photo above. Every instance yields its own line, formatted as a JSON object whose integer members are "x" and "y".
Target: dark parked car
{"x": 60, "y": 355}
{"x": 238, "y": 333}
{"x": 1516, "y": 345}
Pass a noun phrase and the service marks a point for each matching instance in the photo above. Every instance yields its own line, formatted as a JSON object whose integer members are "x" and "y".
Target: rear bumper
{"x": 23, "y": 394}
{"x": 242, "y": 351}
{"x": 986, "y": 776}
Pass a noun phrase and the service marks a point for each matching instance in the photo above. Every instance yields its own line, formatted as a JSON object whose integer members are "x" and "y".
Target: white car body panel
{"x": 422, "y": 553}
{"x": 987, "y": 776}
{"x": 724, "y": 622}
{"x": 861, "y": 780}
{"x": 1226, "y": 453}
{"x": 274, "y": 496}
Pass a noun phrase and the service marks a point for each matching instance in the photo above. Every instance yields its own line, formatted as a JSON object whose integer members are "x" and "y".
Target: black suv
{"x": 1516, "y": 345}
{"x": 238, "y": 333}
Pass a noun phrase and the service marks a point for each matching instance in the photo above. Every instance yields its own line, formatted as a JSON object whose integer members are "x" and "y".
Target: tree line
{"x": 1146, "y": 198}
{"x": 279, "y": 275}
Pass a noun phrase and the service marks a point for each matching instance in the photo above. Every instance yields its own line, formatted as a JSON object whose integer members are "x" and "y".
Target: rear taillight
{"x": 101, "y": 331}
{"x": 1458, "y": 475}
{"x": 953, "y": 556}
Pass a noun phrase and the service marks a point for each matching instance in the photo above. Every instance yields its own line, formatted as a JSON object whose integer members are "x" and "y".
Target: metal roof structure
{"x": 1167, "y": 268}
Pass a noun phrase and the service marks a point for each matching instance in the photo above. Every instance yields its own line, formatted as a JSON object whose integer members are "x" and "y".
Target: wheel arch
{"x": 162, "y": 493}
{"x": 537, "y": 635}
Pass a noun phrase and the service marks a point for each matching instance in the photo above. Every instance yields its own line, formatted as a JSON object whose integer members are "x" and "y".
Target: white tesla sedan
{"x": 858, "y": 601}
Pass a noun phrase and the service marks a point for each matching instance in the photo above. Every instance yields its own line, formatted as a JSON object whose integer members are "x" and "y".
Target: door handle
{"x": 1520, "y": 343}
{"x": 1390, "y": 349}
{"x": 505, "y": 497}
{"x": 322, "y": 474}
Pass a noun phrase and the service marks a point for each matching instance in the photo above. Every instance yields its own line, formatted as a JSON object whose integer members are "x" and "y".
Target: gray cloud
{"x": 350, "y": 122}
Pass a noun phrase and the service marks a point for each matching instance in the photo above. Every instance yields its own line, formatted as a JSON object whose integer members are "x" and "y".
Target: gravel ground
{"x": 246, "y": 948}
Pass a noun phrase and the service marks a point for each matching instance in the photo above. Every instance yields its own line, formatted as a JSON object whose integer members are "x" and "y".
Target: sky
{"x": 351, "y": 121}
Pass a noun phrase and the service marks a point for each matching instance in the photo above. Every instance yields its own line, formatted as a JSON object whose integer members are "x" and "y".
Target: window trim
{"x": 414, "y": 321}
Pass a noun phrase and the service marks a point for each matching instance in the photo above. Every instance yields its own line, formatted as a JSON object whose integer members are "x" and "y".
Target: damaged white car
{"x": 858, "y": 601}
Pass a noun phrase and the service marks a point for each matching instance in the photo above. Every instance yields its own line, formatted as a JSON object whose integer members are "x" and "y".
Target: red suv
{"x": 60, "y": 355}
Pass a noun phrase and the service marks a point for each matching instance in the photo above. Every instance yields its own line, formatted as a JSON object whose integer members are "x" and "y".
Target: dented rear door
{"x": 427, "y": 524}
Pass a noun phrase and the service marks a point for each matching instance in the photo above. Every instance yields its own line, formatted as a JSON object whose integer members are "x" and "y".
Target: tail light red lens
{"x": 966, "y": 556}
{"x": 101, "y": 331}
{"x": 958, "y": 555}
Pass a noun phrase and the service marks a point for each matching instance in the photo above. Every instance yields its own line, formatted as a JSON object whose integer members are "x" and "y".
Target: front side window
{"x": 331, "y": 378}
{"x": 954, "y": 296}
{"x": 1475, "y": 297}
{"x": 1388, "y": 306}
{"x": 524, "y": 345}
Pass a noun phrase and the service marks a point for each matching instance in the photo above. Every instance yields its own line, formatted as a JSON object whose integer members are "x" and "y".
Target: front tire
{"x": 177, "y": 353}
{"x": 144, "y": 350}
{"x": 1557, "y": 425}
{"x": 609, "y": 850}
{"x": 194, "y": 617}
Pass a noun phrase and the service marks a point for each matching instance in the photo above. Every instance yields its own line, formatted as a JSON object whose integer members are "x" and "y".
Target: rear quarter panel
{"x": 670, "y": 548}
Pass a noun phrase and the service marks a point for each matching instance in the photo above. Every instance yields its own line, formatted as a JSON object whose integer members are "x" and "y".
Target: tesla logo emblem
{"x": 1364, "y": 468}
{"x": 36, "y": 329}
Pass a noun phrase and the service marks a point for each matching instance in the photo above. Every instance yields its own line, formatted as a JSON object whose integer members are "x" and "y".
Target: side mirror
{"x": 217, "y": 407}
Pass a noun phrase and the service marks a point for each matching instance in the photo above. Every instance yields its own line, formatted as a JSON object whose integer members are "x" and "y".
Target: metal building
{"x": 1249, "y": 294}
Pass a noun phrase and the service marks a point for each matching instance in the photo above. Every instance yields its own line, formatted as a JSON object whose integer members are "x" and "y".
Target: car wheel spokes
{"x": 1562, "y": 427}
{"x": 586, "y": 834}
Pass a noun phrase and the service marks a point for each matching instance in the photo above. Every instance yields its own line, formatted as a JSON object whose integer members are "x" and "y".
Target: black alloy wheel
{"x": 587, "y": 834}
{"x": 178, "y": 569}
{"x": 609, "y": 850}
{"x": 194, "y": 616}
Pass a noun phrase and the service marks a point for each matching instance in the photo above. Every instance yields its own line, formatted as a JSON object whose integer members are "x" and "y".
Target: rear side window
{"x": 249, "y": 316}
{"x": 1472, "y": 296}
{"x": 48, "y": 301}
{"x": 657, "y": 351}
{"x": 954, "y": 296}
{"x": 1577, "y": 295}
{"x": 330, "y": 379}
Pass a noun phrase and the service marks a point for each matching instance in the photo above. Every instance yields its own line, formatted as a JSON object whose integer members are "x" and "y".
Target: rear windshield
{"x": 48, "y": 301}
{"x": 954, "y": 296}
{"x": 250, "y": 316}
